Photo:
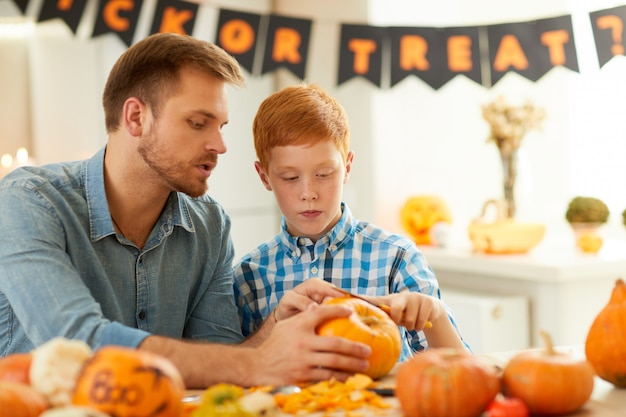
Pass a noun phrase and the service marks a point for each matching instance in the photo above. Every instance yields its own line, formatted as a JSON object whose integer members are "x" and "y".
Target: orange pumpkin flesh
{"x": 445, "y": 382}
{"x": 16, "y": 368}
{"x": 20, "y": 400}
{"x": 606, "y": 339}
{"x": 549, "y": 382}
{"x": 370, "y": 325}
{"x": 128, "y": 382}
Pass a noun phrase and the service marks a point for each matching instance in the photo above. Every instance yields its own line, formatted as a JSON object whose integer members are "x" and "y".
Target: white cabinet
{"x": 490, "y": 323}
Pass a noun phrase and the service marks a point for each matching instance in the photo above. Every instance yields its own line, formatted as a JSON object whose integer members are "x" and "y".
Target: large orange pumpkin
{"x": 21, "y": 400}
{"x": 445, "y": 382}
{"x": 129, "y": 382}
{"x": 16, "y": 368}
{"x": 370, "y": 325}
{"x": 606, "y": 339}
{"x": 549, "y": 382}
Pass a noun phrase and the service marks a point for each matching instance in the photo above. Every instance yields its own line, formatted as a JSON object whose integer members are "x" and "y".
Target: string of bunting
{"x": 434, "y": 55}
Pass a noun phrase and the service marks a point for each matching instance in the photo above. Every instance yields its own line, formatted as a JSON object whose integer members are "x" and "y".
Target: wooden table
{"x": 605, "y": 401}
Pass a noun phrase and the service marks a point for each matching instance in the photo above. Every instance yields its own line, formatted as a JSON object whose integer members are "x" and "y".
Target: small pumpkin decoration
{"x": 21, "y": 400}
{"x": 129, "y": 382}
{"x": 420, "y": 214}
{"x": 16, "y": 367}
{"x": 604, "y": 346}
{"x": 444, "y": 382}
{"x": 549, "y": 382}
{"x": 221, "y": 400}
{"x": 370, "y": 325}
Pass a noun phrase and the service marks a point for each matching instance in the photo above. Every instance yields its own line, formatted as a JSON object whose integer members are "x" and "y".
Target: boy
{"x": 301, "y": 137}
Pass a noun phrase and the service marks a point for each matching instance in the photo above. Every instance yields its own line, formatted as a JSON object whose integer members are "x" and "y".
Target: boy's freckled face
{"x": 307, "y": 181}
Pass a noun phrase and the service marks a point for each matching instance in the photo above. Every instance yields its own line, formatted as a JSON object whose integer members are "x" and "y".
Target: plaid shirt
{"x": 354, "y": 255}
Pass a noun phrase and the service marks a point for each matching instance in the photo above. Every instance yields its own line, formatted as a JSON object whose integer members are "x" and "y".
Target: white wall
{"x": 409, "y": 139}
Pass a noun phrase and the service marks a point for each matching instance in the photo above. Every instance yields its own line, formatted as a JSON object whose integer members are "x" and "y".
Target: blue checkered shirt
{"x": 354, "y": 255}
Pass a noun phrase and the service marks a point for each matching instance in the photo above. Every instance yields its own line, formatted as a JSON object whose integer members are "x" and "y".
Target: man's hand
{"x": 293, "y": 352}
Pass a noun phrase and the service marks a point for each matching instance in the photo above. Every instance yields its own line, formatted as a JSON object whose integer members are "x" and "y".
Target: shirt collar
{"x": 334, "y": 240}
{"x": 175, "y": 213}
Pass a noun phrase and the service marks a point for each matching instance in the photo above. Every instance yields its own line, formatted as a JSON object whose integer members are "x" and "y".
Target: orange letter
{"x": 173, "y": 20}
{"x": 413, "y": 50}
{"x": 236, "y": 36}
{"x": 286, "y": 43}
{"x": 555, "y": 40}
{"x": 362, "y": 49}
{"x": 460, "y": 53}
{"x": 111, "y": 14}
{"x": 510, "y": 54}
{"x": 64, "y": 5}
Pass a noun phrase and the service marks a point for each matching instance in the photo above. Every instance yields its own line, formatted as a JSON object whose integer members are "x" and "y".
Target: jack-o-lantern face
{"x": 127, "y": 382}
{"x": 420, "y": 213}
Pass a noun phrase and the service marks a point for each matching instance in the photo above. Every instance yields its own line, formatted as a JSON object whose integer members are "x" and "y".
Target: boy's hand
{"x": 311, "y": 291}
{"x": 412, "y": 310}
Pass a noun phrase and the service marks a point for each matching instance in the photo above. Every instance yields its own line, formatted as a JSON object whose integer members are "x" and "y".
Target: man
{"x": 126, "y": 248}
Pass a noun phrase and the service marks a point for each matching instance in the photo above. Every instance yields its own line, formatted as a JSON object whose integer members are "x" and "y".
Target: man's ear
{"x": 262, "y": 175}
{"x": 133, "y": 116}
{"x": 349, "y": 160}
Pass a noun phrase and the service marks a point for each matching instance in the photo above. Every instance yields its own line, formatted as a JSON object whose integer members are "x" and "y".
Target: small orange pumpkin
{"x": 420, "y": 214}
{"x": 370, "y": 325}
{"x": 16, "y": 367}
{"x": 21, "y": 400}
{"x": 444, "y": 382}
{"x": 606, "y": 339}
{"x": 549, "y": 382}
{"x": 129, "y": 382}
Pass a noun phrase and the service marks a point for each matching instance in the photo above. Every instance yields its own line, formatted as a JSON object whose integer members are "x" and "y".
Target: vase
{"x": 509, "y": 176}
{"x": 588, "y": 236}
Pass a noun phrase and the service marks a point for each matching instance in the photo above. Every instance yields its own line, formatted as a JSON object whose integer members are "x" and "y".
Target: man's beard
{"x": 170, "y": 171}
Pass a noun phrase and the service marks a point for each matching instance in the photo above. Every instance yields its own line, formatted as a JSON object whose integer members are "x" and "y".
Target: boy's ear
{"x": 262, "y": 175}
{"x": 349, "y": 160}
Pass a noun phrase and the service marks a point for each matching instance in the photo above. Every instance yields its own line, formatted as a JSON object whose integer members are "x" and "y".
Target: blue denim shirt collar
{"x": 175, "y": 213}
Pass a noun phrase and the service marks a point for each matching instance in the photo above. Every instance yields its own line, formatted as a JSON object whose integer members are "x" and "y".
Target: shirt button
{"x": 333, "y": 248}
{"x": 142, "y": 315}
{"x": 314, "y": 270}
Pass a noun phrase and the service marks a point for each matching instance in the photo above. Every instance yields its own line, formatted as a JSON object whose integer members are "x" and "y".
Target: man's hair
{"x": 299, "y": 115}
{"x": 149, "y": 70}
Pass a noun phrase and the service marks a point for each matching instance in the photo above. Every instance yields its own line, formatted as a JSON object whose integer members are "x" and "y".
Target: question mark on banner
{"x": 617, "y": 26}
{"x": 64, "y": 5}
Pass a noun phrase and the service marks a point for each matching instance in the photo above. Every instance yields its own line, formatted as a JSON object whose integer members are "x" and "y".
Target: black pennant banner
{"x": 531, "y": 49}
{"x": 22, "y": 5}
{"x": 608, "y": 32}
{"x": 118, "y": 16}
{"x": 434, "y": 55}
{"x": 360, "y": 53}
{"x": 237, "y": 34}
{"x": 70, "y": 11}
{"x": 174, "y": 16}
{"x": 287, "y": 44}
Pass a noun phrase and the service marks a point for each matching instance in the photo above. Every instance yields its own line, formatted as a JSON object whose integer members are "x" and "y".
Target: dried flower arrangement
{"x": 508, "y": 125}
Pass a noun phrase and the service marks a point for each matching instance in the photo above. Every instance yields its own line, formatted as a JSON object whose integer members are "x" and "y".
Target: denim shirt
{"x": 65, "y": 272}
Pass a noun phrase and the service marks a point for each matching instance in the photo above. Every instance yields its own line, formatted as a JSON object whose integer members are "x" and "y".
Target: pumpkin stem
{"x": 619, "y": 292}
{"x": 547, "y": 340}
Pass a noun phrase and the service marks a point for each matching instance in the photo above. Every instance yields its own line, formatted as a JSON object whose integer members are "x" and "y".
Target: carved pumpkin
{"x": 16, "y": 368}
{"x": 445, "y": 382}
{"x": 420, "y": 213}
{"x": 549, "y": 382}
{"x": 606, "y": 339}
{"x": 370, "y": 325}
{"x": 129, "y": 382}
{"x": 21, "y": 400}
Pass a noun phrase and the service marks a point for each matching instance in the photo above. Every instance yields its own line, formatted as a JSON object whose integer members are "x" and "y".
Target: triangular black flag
{"x": 608, "y": 32}
{"x": 360, "y": 53}
{"x": 237, "y": 34}
{"x": 70, "y": 11}
{"x": 287, "y": 44}
{"x": 22, "y": 5}
{"x": 174, "y": 16}
{"x": 118, "y": 16}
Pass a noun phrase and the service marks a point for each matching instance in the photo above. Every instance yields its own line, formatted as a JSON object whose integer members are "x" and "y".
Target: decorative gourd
{"x": 606, "y": 339}
{"x": 370, "y": 325}
{"x": 419, "y": 214}
{"x": 445, "y": 382}
{"x": 122, "y": 381}
{"x": 549, "y": 382}
{"x": 21, "y": 400}
{"x": 16, "y": 367}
